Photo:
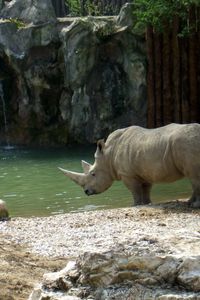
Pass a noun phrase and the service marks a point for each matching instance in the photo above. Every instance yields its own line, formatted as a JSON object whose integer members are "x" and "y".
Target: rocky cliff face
{"x": 70, "y": 79}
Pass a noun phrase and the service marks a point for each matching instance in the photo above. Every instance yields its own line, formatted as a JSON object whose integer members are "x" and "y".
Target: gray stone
{"x": 189, "y": 273}
{"x": 3, "y": 211}
{"x": 117, "y": 276}
{"x": 70, "y": 79}
{"x": 126, "y": 16}
{"x": 29, "y": 11}
{"x": 1, "y": 4}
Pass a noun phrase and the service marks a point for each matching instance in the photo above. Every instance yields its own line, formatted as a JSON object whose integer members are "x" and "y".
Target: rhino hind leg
{"x": 194, "y": 201}
{"x": 146, "y": 187}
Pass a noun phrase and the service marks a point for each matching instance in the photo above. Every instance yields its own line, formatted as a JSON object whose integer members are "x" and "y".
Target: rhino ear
{"x": 100, "y": 148}
{"x": 86, "y": 166}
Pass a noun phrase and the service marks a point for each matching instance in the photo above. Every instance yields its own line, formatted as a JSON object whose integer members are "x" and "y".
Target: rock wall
{"x": 70, "y": 79}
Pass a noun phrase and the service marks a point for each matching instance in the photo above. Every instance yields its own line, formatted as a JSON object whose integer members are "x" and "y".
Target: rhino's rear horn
{"x": 100, "y": 148}
{"x": 86, "y": 166}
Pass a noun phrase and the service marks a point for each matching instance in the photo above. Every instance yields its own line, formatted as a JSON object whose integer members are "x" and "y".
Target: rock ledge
{"x": 118, "y": 276}
{"x": 161, "y": 261}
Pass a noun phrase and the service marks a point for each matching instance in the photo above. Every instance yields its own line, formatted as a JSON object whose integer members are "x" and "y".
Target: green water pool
{"x": 32, "y": 185}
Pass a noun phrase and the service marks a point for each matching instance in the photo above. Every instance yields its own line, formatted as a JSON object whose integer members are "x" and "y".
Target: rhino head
{"x": 96, "y": 178}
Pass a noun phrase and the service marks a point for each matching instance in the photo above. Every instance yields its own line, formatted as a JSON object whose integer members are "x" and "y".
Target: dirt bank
{"x": 31, "y": 247}
{"x": 20, "y": 269}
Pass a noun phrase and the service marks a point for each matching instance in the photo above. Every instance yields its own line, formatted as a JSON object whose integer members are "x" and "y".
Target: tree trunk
{"x": 176, "y": 72}
{"x": 198, "y": 58}
{"x": 185, "y": 103}
{"x": 193, "y": 67}
{"x": 166, "y": 74}
{"x": 151, "y": 116}
{"x": 158, "y": 78}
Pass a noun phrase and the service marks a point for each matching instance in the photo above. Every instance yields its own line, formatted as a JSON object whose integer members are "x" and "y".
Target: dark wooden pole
{"x": 185, "y": 103}
{"x": 198, "y": 59}
{"x": 176, "y": 92}
{"x": 151, "y": 114}
{"x": 193, "y": 90}
{"x": 158, "y": 78}
{"x": 166, "y": 74}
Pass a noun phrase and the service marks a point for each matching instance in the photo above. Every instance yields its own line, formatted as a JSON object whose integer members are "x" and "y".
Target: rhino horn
{"x": 86, "y": 166}
{"x": 79, "y": 178}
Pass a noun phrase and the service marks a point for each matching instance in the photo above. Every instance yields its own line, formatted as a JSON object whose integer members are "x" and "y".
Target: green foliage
{"x": 19, "y": 23}
{"x": 74, "y": 7}
{"x": 81, "y": 7}
{"x": 92, "y": 8}
{"x": 160, "y": 13}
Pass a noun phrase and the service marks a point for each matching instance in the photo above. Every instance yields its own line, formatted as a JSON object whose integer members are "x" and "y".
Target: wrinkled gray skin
{"x": 141, "y": 157}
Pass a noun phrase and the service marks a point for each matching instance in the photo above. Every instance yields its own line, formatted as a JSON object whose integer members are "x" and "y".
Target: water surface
{"x": 32, "y": 185}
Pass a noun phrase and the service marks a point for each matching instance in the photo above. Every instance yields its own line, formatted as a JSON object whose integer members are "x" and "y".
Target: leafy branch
{"x": 160, "y": 13}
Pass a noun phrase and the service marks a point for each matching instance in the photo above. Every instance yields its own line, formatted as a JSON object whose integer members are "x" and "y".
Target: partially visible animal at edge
{"x": 142, "y": 157}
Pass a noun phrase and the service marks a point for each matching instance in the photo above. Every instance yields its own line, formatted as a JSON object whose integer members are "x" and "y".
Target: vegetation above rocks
{"x": 19, "y": 23}
{"x": 162, "y": 13}
{"x": 158, "y": 13}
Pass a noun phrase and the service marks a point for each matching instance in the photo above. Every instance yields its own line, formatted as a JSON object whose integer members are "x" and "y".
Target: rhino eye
{"x": 92, "y": 173}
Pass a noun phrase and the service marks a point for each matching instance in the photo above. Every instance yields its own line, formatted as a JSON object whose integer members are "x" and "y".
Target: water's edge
{"x": 32, "y": 185}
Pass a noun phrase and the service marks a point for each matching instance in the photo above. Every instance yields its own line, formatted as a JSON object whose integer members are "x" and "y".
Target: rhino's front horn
{"x": 79, "y": 178}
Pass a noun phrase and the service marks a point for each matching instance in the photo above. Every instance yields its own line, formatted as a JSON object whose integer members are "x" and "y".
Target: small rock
{"x": 189, "y": 273}
{"x": 3, "y": 211}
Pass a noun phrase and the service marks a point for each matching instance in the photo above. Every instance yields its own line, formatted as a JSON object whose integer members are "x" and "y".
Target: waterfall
{"x": 7, "y": 147}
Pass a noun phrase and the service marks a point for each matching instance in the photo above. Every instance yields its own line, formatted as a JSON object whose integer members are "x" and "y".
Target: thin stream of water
{"x": 7, "y": 146}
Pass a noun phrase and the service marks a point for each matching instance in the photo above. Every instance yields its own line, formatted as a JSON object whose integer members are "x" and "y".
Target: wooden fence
{"x": 173, "y": 80}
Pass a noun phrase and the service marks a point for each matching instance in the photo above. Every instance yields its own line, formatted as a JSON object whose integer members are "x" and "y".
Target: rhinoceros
{"x": 141, "y": 157}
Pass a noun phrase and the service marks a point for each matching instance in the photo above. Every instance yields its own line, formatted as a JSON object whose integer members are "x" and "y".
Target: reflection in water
{"x": 32, "y": 185}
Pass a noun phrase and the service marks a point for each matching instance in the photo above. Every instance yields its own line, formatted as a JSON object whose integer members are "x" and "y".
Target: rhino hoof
{"x": 194, "y": 203}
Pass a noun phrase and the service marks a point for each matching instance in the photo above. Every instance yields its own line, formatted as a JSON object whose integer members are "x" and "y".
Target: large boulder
{"x": 73, "y": 80}
{"x": 107, "y": 76}
{"x": 29, "y": 11}
{"x": 118, "y": 276}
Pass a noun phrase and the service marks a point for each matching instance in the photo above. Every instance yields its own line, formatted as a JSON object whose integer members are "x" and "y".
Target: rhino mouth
{"x": 89, "y": 192}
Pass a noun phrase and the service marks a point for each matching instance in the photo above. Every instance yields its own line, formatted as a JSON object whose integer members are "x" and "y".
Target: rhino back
{"x": 153, "y": 154}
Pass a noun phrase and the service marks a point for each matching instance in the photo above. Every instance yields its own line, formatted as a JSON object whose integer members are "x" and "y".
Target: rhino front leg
{"x": 141, "y": 193}
{"x": 140, "y": 190}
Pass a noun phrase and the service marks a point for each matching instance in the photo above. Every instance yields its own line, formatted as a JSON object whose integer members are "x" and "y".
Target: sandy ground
{"x": 31, "y": 247}
{"x": 20, "y": 269}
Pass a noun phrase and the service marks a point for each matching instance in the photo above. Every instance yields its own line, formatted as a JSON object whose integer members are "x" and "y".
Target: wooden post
{"x": 185, "y": 103}
{"x": 193, "y": 66}
{"x": 198, "y": 60}
{"x": 176, "y": 97}
{"x": 151, "y": 114}
{"x": 158, "y": 79}
{"x": 166, "y": 74}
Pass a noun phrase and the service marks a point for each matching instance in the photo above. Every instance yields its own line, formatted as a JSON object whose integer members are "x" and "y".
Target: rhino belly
{"x": 159, "y": 175}
{"x": 152, "y": 172}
